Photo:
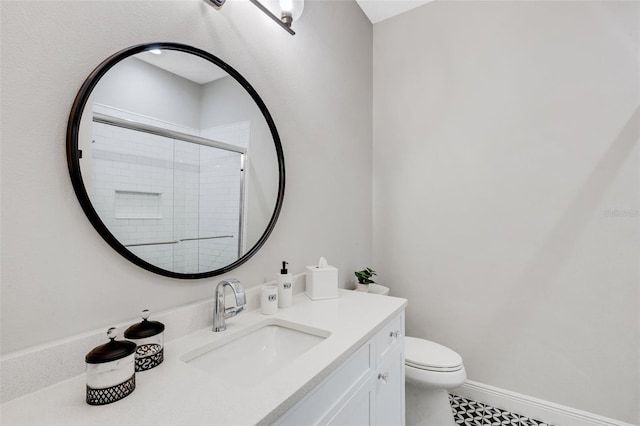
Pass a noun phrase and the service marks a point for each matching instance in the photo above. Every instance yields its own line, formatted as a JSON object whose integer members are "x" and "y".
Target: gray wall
{"x": 59, "y": 278}
{"x": 506, "y": 191}
{"x": 136, "y": 86}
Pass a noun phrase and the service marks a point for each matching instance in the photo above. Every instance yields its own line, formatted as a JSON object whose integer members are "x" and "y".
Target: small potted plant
{"x": 364, "y": 278}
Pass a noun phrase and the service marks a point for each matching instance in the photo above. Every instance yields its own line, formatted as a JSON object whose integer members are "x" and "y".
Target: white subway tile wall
{"x": 238, "y": 134}
{"x": 153, "y": 189}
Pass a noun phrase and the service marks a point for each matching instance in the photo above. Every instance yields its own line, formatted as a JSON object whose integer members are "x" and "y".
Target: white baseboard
{"x": 556, "y": 414}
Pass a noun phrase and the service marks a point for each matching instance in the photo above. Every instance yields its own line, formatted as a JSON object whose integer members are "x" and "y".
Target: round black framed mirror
{"x": 175, "y": 160}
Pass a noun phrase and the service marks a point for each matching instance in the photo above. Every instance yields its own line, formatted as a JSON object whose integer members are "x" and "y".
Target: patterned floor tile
{"x": 468, "y": 412}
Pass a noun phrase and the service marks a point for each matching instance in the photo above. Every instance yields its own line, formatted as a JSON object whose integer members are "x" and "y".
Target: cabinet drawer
{"x": 392, "y": 333}
{"x": 331, "y": 392}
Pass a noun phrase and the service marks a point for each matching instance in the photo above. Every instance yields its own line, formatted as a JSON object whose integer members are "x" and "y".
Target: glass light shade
{"x": 292, "y": 7}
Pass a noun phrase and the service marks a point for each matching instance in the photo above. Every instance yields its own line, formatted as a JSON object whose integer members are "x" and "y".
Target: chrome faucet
{"x": 219, "y": 311}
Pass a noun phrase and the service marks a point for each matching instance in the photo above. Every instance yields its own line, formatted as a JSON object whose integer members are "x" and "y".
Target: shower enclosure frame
{"x": 198, "y": 140}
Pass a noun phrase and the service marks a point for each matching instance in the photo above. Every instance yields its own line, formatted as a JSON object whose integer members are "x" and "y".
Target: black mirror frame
{"x": 74, "y": 155}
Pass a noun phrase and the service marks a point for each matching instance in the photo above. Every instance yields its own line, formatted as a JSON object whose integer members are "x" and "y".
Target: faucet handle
{"x": 230, "y": 312}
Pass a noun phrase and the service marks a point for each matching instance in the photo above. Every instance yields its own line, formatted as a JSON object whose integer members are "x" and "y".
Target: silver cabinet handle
{"x": 395, "y": 334}
{"x": 383, "y": 377}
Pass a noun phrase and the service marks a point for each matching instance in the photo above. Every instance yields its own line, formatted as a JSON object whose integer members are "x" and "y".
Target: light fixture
{"x": 290, "y": 11}
{"x": 156, "y": 51}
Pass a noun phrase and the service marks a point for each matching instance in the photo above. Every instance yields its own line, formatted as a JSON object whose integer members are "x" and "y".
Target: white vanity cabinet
{"x": 366, "y": 389}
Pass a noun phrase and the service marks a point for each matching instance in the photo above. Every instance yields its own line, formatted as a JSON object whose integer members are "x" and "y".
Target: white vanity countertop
{"x": 176, "y": 393}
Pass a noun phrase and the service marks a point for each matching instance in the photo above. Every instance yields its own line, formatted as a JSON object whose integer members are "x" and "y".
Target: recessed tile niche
{"x": 138, "y": 205}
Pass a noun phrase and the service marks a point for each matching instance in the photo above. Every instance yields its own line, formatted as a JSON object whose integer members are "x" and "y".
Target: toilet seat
{"x": 430, "y": 356}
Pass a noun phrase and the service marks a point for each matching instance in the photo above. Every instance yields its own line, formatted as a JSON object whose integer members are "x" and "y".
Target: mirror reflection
{"x": 178, "y": 161}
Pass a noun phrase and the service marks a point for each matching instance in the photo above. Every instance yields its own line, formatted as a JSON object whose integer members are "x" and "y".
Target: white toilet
{"x": 431, "y": 370}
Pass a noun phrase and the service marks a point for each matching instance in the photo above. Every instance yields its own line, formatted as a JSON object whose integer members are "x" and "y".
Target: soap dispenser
{"x": 285, "y": 290}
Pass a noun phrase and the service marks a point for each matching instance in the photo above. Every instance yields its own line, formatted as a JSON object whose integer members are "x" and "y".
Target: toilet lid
{"x": 426, "y": 355}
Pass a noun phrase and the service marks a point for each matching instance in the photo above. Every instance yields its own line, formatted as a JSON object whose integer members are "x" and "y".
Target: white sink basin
{"x": 253, "y": 355}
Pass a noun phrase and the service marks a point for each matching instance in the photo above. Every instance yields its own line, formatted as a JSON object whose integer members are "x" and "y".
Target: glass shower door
{"x": 208, "y": 206}
{"x": 175, "y": 204}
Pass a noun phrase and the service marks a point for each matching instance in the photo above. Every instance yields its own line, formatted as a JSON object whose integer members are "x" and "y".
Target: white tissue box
{"x": 322, "y": 283}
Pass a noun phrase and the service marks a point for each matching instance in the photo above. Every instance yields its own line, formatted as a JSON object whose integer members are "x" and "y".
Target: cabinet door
{"x": 358, "y": 410}
{"x": 330, "y": 395}
{"x": 389, "y": 384}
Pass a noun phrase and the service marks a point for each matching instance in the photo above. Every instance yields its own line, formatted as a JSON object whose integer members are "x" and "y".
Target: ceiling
{"x": 185, "y": 65}
{"x": 379, "y": 10}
